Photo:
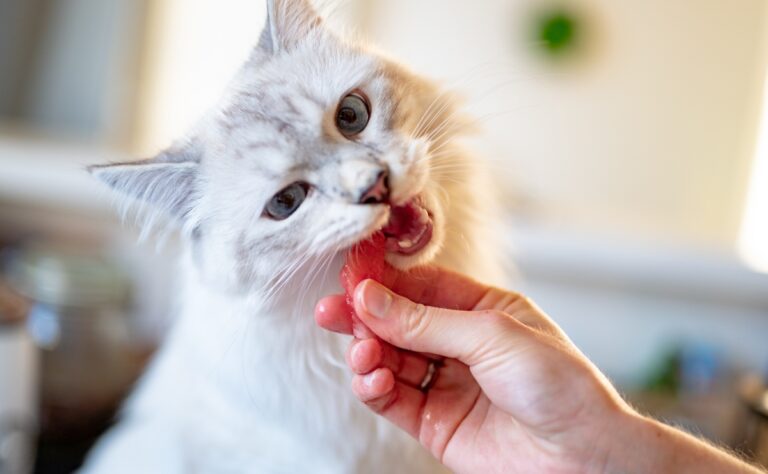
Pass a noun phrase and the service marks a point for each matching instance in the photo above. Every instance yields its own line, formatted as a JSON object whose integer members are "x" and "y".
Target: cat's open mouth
{"x": 409, "y": 229}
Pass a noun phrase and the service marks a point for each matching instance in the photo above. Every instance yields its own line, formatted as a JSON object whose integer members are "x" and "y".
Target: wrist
{"x": 625, "y": 444}
{"x": 637, "y": 444}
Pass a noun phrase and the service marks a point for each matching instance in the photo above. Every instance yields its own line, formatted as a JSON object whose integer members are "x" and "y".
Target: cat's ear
{"x": 167, "y": 181}
{"x": 288, "y": 22}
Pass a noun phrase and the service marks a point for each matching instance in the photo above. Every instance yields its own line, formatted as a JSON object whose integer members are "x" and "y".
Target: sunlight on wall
{"x": 753, "y": 243}
{"x": 194, "y": 48}
{"x": 648, "y": 138}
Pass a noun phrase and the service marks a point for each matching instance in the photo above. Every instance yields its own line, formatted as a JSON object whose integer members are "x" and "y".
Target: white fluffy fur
{"x": 246, "y": 382}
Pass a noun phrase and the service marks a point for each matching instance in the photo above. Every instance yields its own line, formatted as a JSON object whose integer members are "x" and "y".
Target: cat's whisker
{"x": 290, "y": 273}
{"x": 436, "y": 153}
{"x": 449, "y": 89}
{"x": 442, "y": 152}
{"x": 446, "y": 128}
{"x": 447, "y": 160}
{"x": 285, "y": 275}
{"x": 300, "y": 293}
{"x": 492, "y": 90}
{"x": 443, "y": 128}
{"x": 418, "y": 128}
{"x": 473, "y": 123}
{"x": 446, "y": 174}
{"x": 448, "y": 165}
{"x": 435, "y": 135}
{"x": 312, "y": 275}
{"x": 322, "y": 271}
{"x": 447, "y": 156}
{"x": 434, "y": 116}
{"x": 445, "y": 196}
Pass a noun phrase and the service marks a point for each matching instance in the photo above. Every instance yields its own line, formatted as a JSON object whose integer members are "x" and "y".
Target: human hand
{"x": 512, "y": 392}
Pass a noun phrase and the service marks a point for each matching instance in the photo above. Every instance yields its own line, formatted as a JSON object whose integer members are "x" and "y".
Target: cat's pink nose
{"x": 378, "y": 193}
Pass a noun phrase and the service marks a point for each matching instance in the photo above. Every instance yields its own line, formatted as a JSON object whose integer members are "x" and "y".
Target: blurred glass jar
{"x": 18, "y": 385}
{"x": 754, "y": 392}
{"x": 79, "y": 321}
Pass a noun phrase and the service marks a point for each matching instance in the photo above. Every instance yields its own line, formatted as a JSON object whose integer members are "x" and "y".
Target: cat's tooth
{"x": 405, "y": 244}
{"x": 423, "y": 215}
{"x": 421, "y": 233}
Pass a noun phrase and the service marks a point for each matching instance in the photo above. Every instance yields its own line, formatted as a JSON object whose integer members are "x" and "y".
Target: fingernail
{"x": 353, "y": 353}
{"x": 375, "y": 299}
{"x": 369, "y": 379}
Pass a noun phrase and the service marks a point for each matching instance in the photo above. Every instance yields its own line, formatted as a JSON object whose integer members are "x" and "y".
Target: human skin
{"x": 513, "y": 393}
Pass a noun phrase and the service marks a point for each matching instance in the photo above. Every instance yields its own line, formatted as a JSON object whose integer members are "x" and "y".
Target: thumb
{"x": 469, "y": 336}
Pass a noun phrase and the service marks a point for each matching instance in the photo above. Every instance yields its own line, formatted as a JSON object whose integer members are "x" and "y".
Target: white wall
{"x": 627, "y": 304}
{"x": 754, "y": 228}
{"x": 650, "y": 136}
{"x": 84, "y": 72}
{"x": 194, "y": 48}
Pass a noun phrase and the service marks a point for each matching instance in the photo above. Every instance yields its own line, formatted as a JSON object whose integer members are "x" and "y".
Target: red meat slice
{"x": 364, "y": 261}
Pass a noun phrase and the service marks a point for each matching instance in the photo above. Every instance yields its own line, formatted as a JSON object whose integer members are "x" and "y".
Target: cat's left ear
{"x": 168, "y": 181}
{"x": 288, "y": 23}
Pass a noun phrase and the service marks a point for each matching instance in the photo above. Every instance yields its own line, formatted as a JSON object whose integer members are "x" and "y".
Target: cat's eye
{"x": 286, "y": 202}
{"x": 353, "y": 114}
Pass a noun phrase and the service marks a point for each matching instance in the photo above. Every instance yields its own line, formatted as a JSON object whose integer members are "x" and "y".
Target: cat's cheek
{"x": 410, "y": 171}
{"x": 409, "y": 183}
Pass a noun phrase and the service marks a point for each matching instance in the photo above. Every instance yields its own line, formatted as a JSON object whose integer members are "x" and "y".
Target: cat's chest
{"x": 275, "y": 396}
{"x": 249, "y": 389}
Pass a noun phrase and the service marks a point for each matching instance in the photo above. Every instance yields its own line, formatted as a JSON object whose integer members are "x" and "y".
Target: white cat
{"x": 317, "y": 143}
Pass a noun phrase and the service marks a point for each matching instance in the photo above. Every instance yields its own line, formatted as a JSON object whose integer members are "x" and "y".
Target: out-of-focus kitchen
{"x": 629, "y": 141}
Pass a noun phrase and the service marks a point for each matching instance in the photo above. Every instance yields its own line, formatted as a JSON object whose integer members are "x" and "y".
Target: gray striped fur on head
{"x": 275, "y": 126}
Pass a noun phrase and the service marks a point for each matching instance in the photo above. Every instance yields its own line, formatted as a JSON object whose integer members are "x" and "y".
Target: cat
{"x": 314, "y": 145}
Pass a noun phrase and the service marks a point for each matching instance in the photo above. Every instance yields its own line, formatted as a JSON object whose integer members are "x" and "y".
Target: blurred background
{"x": 629, "y": 140}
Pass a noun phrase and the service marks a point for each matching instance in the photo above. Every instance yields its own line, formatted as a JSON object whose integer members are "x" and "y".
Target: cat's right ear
{"x": 167, "y": 182}
{"x": 288, "y": 22}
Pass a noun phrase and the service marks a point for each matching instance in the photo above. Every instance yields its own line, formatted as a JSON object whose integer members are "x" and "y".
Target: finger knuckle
{"x": 376, "y": 406}
{"x": 501, "y": 321}
{"x": 416, "y": 321}
{"x": 526, "y": 302}
{"x": 494, "y": 316}
{"x": 519, "y": 301}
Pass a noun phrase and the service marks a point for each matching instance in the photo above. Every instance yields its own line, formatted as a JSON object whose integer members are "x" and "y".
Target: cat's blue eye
{"x": 286, "y": 202}
{"x": 353, "y": 114}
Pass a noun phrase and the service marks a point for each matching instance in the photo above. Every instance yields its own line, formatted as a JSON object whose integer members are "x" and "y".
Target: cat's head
{"x": 317, "y": 144}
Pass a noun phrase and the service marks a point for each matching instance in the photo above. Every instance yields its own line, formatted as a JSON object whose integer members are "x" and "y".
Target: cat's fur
{"x": 245, "y": 381}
